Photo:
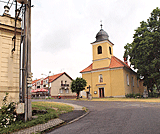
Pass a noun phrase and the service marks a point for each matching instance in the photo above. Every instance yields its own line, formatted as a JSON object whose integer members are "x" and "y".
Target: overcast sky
{"x": 62, "y": 30}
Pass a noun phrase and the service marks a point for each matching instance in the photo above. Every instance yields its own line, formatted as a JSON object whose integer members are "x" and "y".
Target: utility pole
{"x": 28, "y": 106}
{"x": 26, "y": 61}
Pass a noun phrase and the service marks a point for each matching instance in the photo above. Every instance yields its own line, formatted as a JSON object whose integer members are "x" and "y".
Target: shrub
{"x": 129, "y": 95}
{"x": 132, "y": 95}
{"x": 153, "y": 95}
{"x": 7, "y": 113}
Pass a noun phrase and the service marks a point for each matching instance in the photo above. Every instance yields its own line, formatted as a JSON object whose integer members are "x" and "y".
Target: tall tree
{"x": 144, "y": 51}
{"x": 78, "y": 85}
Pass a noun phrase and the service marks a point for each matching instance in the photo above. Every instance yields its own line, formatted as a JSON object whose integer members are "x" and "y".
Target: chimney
{"x": 125, "y": 60}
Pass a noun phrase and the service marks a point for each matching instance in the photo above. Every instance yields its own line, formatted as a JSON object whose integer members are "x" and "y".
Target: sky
{"x": 62, "y": 30}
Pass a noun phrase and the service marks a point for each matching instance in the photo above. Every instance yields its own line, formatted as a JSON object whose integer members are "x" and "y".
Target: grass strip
{"x": 53, "y": 111}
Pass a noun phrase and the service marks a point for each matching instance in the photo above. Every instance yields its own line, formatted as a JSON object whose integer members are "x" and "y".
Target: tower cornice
{"x": 108, "y": 41}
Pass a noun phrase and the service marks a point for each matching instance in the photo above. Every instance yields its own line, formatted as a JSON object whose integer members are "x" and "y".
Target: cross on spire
{"x": 101, "y": 24}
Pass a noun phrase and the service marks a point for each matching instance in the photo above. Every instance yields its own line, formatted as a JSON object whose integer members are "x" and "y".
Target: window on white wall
{"x": 67, "y": 91}
{"x": 127, "y": 80}
{"x": 132, "y": 81}
{"x": 61, "y": 91}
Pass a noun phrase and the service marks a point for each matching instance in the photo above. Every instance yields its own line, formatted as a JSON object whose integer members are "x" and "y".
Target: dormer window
{"x": 99, "y": 50}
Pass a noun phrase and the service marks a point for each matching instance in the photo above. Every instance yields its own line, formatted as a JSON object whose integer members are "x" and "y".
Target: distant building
{"x": 59, "y": 84}
{"x": 9, "y": 61}
{"x": 108, "y": 76}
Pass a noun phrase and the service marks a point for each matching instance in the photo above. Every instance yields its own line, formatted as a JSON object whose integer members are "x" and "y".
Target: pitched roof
{"x": 51, "y": 78}
{"x": 56, "y": 76}
{"x": 115, "y": 63}
{"x": 35, "y": 81}
{"x": 87, "y": 69}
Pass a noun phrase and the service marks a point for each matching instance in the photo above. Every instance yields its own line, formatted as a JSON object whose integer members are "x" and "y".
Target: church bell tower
{"x": 102, "y": 50}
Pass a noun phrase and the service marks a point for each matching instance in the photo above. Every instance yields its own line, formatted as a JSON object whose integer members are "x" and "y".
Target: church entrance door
{"x": 101, "y": 92}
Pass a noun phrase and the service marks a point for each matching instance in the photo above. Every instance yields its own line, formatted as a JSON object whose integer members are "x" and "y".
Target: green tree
{"x": 144, "y": 51}
{"x": 78, "y": 85}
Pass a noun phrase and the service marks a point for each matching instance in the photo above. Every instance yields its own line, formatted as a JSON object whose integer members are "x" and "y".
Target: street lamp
{"x": 48, "y": 81}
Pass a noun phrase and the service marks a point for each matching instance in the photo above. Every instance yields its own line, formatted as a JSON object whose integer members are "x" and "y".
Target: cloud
{"x": 62, "y": 30}
{"x": 56, "y": 41}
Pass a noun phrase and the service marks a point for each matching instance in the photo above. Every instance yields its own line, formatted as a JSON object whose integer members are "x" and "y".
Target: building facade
{"x": 59, "y": 84}
{"x": 9, "y": 60}
{"x": 108, "y": 76}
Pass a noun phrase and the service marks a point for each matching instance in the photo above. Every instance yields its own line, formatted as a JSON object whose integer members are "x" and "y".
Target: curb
{"x": 79, "y": 117}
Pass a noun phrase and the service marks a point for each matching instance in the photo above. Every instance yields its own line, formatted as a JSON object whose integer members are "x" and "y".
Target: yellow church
{"x": 108, "y": 76}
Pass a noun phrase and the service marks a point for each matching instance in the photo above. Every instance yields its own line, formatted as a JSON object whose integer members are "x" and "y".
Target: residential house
{"x": 59, "y": 84}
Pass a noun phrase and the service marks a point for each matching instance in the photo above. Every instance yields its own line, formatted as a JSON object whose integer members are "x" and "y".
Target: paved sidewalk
{"x": 67, "y": 117}
{"x": 40, "y": 127}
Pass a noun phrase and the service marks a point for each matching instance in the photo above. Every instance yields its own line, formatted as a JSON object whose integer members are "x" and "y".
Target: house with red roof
{"x": 108, "y": 76}
{"x": 59, "y": 84}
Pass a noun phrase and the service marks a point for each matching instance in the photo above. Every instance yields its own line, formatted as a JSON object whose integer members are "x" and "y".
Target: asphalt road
{"x": 115, "y": 118}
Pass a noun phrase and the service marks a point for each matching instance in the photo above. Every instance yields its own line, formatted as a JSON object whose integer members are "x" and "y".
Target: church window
{"x": 110, "y": 51}
{"x": 99, "y": 50}
{"x": 137, "y": 83}
{"x": 127, "y": 80}
{"x": 132, "y": 81}
{"x": 100, "y": 78}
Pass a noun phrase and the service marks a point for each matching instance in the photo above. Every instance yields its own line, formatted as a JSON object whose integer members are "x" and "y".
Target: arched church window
{"x": 110, "y": 51}
{"x": 100, "y": 78}
{"x": 99, "y": 50}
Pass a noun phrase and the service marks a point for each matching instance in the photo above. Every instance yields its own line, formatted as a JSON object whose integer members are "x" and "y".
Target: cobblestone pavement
{"x": 40, "y": 127}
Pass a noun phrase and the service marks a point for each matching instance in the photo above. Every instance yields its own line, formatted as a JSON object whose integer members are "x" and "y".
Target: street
{"x": 114, "y": 118}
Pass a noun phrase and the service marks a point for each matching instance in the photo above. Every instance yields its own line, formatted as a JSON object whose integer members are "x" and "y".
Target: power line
{"x": 8, "y": 3}
{"x": 11, "y": 4}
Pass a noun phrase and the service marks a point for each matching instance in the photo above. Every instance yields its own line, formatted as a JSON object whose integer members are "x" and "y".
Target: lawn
{"x": 52, "y": 110}
{"x": 123, "y": 99}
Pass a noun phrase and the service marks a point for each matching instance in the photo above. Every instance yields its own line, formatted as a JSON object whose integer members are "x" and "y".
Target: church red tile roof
{"x": 115, "y": 63}
{"x": 87, "y": 69}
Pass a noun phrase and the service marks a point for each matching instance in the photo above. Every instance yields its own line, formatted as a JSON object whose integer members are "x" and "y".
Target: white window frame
{"x": 67, "y": 91}
{"x": 61, "y": 91}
